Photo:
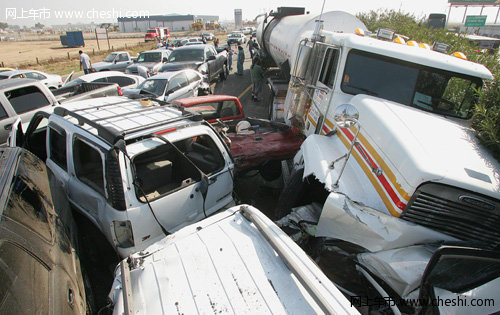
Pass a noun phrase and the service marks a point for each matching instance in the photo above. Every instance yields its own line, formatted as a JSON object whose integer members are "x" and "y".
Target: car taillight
{"x": 123, "y": 233}
{"x": 120, "y": 91}
{"x": 161, "y": 132}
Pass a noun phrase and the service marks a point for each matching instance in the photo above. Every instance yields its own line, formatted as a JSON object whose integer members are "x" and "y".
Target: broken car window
{"x": 163, "y": 170}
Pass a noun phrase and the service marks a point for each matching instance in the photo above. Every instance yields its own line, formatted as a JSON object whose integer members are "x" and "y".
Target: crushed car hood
{"x": 174, "y": 66}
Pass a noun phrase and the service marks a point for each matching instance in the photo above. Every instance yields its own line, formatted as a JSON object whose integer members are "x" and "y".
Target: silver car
{"x": 117, "y": 60}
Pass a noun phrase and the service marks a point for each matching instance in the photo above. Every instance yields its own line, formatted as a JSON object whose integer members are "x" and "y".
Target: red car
{"x": 213, "y": 107}
{"x": 264, "y": 141}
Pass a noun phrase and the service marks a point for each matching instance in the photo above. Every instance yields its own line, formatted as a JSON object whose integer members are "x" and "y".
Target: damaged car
{"x": 138, "y": 169}
{"x": 237, "y": 261}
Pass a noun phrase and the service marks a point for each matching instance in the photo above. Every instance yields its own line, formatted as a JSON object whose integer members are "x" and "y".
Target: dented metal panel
{"x": 343, "y": 219}
{"x": 225, "y": 265}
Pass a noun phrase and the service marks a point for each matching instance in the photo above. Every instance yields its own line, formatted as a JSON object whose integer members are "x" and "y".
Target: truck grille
{"x": 457, "y": 212}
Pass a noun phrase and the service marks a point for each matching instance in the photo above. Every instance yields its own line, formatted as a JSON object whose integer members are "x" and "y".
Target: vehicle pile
{"x": 367, "y": 140}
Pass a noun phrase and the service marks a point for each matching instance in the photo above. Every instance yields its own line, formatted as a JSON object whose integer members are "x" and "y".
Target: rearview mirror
{"x": 346, "y": 115}
{"x": 211, "y": 58}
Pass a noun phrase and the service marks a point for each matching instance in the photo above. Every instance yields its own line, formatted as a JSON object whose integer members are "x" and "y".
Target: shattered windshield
{"x": 434, "y": 90}
{"x": 186, "y": 55}
{"x": 149, "y": 57}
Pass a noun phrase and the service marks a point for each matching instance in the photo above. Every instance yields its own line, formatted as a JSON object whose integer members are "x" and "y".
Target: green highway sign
{"x": 475, "y": 20}
{"x": 473, "y": 2}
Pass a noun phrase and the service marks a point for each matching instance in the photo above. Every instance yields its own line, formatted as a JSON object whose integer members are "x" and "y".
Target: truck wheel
{"x": 290, "y": 195}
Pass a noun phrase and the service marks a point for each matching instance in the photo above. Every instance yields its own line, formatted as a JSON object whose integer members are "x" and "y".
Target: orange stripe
{"x": 387, "y": 171}
{"x": 329, "y": 123}
{"x": 381, "y": 192}
{"x": 312, "y": 121}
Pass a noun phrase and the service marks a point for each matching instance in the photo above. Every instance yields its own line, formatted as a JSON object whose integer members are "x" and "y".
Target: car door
{"x": 122, "y": 61}
{"x": 211, "y": 59}
{"x": 86, "y": 186}
{"x": 177, "y": 87}
{"x": 194, "y": 81}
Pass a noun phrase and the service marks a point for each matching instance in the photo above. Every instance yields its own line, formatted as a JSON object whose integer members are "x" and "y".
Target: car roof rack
{"x": 111, "y": 134}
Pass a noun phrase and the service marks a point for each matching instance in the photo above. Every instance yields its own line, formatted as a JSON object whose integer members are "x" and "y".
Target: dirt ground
{"x": 17, "y": 53}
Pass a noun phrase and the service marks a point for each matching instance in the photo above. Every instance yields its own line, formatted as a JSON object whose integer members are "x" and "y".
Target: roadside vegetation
{"x": 486, "y": 116}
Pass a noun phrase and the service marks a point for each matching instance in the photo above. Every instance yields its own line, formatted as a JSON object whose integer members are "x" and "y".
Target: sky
{"x": 56, "y": 12}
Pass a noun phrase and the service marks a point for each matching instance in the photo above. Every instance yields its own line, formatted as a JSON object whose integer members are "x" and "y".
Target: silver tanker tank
{"x": 280, "y": 33}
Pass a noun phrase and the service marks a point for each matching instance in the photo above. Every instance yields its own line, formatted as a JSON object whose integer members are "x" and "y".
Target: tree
{"x": 39, "y": 25}
{"x": 3, "y": 25}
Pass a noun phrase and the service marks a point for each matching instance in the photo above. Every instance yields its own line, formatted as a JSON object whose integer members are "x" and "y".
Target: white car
{"x": 52, "y": 81}
{"x": 124, "y": 80}
{"x": 169, "y": 86}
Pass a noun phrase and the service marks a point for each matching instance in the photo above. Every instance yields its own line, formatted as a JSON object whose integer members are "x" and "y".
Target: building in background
{"x": 238, "y": 18}
{"x": 173, "y": 22}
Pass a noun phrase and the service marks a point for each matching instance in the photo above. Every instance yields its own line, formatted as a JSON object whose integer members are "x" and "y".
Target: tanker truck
{"x": 390, "y": 168}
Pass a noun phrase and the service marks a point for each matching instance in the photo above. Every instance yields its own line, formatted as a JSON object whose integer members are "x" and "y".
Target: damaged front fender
{"x": 341, "y": 218}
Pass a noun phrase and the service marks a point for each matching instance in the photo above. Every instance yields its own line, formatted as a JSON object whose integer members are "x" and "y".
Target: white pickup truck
{"x": 235, "y": 262}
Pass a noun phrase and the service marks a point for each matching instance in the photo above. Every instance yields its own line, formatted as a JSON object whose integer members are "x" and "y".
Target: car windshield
{"x": 74, "y": 82}
{"x": 186, "y": 55}
{"x": 151, "y": 31}
{"x": 155, "y": 86}
{"x": 426, "y": 88}
{"x": 149, "y": 57}
{"x": 110, "y": 58}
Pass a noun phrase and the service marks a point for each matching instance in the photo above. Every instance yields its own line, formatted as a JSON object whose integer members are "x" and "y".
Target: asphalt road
{"x": 241, "y": 86}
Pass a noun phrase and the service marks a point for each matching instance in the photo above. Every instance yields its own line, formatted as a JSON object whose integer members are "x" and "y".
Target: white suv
{"x": 137, "y": 168}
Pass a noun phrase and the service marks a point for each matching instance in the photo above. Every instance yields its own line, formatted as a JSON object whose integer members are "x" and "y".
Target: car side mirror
{"x": 165, "y": 59}
{"x": 211, "y": 58}
{"x": 458, "y": 269}
{"x": 115, "y": 61}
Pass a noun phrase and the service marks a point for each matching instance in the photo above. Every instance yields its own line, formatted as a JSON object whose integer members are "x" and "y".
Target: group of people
{"x": 256, "y": 69}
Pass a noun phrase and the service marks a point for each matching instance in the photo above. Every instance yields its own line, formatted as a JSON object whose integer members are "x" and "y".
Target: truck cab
{"x": 388, "y": 141}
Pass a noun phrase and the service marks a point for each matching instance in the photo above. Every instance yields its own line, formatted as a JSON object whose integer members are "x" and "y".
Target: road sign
{"x": 475, "y": 20}
{"x": 473, "y": 2}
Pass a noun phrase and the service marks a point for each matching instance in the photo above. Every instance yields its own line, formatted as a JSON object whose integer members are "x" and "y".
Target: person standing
{"x": 250, "y": 46}
{"x": 85, "y": 63}
{"x": 241, "y": 59}
{"x": 230, "y": 53}
{"x": 257, "y": 76}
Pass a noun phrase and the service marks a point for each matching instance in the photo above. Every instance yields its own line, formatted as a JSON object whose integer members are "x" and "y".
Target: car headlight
{"x": 203, "y": 69}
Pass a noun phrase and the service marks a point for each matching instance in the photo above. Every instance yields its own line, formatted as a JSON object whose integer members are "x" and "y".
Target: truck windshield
{"x": 149, "y": 57}
{"x": 110, "y": 58}
{"x": 151, "y": 31}
{"x": 426, "y": 88}
{"x": 186, "y": 55}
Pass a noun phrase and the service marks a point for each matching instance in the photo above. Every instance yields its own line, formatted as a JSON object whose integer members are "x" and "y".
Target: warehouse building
{"x": 173, "y": 22}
